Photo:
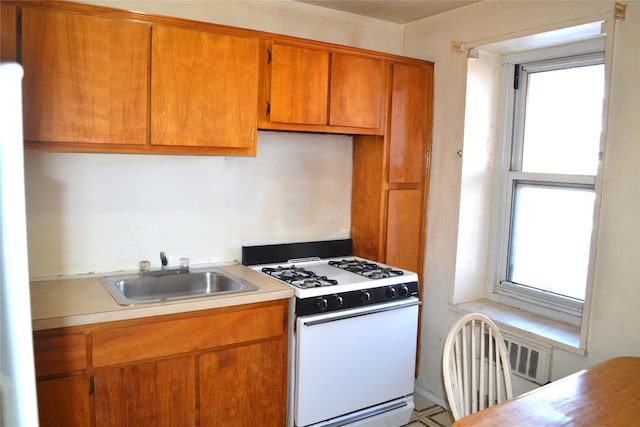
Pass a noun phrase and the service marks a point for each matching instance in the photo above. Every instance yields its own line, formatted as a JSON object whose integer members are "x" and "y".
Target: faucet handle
{"x": 144, "y": 266}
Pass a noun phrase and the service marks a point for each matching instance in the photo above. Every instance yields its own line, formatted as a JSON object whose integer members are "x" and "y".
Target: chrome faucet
{"x": 164, "y": 269}
{"x": 163, "y": 260}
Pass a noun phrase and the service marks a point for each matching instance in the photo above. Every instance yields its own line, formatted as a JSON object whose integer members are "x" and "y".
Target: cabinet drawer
{"x": 57, "y": 355}
{"x": 172, "y": 337}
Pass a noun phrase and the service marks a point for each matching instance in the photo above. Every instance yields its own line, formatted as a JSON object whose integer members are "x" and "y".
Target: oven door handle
{"x": 363, "y": 313}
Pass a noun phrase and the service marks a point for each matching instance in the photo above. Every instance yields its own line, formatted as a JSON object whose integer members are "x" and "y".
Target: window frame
{"x": 548, "y": 304}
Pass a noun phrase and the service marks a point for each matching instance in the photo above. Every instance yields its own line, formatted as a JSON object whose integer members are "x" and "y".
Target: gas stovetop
{"x": 313, "y": 276}
{"x": 323, "y": 276}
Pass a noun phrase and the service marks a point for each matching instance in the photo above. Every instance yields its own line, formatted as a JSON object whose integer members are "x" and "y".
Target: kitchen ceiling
{"x": 396, "y": 11}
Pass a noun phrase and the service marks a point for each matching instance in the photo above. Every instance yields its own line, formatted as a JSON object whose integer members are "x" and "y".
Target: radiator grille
{"x": 528, "y": 360}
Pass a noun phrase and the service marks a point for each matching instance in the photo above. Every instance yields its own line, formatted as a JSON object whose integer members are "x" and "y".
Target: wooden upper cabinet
{"x": 391, "y": 172}
{"x": 85, "y": 78}
{"x": 357, "y": 91}
{"x": 317, "y": 90}
{"x": 204, "y": 89}
{"x": 299, "y": 85}
{"x": 98, "y": 79}
{"x": 409, "y": 136}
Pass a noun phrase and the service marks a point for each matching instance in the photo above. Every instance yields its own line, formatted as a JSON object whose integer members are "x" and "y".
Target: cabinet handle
{"x": 374, "y": 310}
{"x": 91, "y": 385}
{"x": 268, "y": 109}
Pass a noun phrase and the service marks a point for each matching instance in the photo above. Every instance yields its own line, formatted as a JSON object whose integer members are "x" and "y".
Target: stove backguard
{"x": 280, "y": 253}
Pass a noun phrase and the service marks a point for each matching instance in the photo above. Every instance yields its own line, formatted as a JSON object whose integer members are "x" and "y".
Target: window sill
{"x": 519, "y": 323}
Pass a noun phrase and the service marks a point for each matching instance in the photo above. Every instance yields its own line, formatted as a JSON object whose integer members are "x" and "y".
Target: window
{"x": 549, "y": 180}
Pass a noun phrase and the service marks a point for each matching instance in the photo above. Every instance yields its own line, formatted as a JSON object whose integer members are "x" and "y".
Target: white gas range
{"x": 353, "y": 335}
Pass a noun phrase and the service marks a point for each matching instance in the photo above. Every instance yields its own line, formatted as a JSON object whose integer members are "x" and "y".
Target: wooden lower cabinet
{"x": 242, "y": 386}
{"x": 149, "y": 394}
{"x": 64, "y": 402}
{"x": 404, "y": 223}
{"x": 220, "y": 367}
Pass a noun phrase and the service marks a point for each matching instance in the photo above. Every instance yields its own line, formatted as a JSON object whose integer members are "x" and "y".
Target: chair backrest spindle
{"x": 475, "y": 366}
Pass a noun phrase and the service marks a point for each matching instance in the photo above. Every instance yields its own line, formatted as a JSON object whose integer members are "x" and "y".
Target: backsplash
{"x": 96, "y": 213}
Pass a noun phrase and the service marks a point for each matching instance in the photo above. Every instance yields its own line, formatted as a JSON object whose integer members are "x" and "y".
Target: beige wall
{"x": 615, "y": 315}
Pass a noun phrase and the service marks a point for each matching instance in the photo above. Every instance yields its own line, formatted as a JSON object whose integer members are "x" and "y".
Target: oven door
{"x": 354, "y": 359}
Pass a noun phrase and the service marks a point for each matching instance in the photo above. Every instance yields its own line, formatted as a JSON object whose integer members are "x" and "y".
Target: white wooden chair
{"x": 475, "y": 366}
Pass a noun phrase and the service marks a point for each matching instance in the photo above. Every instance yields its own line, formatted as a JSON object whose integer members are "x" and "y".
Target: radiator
{"x": 531, "y": 361}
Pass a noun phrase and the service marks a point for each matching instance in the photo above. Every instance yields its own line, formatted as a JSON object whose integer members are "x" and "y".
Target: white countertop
{"x": 78, "y": 301}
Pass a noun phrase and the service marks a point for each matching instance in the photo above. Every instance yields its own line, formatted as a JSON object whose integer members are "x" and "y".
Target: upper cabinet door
{"x": 299, "y": 85}
{"x": 85, "y": 78}
{"x": 357, "y": 91}
{"x": 204, "y": 89}
{"x": 411, "y": 104}
{"x": 322, "y": 91}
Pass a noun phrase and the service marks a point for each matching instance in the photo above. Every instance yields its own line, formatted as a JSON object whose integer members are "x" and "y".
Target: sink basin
{"x": 135, "y": 289}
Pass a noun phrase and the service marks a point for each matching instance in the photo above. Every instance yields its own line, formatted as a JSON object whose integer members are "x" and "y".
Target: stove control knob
{"x": 391, "y": 292}
{"x": 365, "y": 296}
{"x": 403, "y": 291}
{"x": 337, "y": 301}
{"x": 322, "y": 303}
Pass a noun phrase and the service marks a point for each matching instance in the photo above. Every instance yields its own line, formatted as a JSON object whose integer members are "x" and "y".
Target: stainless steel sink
{"x": 135, "y": 289}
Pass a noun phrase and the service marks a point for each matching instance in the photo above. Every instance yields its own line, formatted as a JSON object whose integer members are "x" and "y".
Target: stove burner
{"x": 366, "y": 269}
{"x": 298, "y": 276}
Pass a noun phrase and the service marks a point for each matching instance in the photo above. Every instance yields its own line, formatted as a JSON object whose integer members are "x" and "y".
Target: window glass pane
{"x": 550, "y": 238}
{"x": 563, "y": 121}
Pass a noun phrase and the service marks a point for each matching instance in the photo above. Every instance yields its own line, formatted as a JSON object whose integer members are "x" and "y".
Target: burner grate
{"x": 299, "y": 276}
{"x": 366, "y": 268}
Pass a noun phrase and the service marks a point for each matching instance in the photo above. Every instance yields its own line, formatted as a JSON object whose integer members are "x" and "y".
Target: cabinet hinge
{"x": 621, "y": 11}
{"x": 19, "y": 36}
{"x": 269, "y": 56}
{"x": 268, "y": 109}
{"x": 91, "y": 386}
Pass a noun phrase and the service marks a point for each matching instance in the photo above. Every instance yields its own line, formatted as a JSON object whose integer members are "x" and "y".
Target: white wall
{"x": 478, "y": 163}
{"x": 615, "y": 314}
{"x": 100, "y": 213}
{"x": 105, "y": 212}
{"x": 277, "y": 16}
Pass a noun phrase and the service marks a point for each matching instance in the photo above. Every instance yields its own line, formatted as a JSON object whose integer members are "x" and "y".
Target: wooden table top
{"x": 607, "y": 394}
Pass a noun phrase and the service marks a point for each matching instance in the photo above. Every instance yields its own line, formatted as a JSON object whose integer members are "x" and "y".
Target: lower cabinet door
{"x": 405, "y": 229}
{"x": 244, "y": 386}
{"x": 64, "y": 402}
{"x": 149, "y": 394}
